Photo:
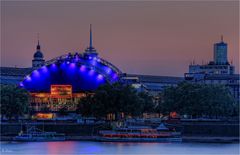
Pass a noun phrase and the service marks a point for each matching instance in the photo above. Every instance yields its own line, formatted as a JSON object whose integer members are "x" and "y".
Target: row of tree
{"x": 198, "y": 100}
{"x": 115, "y": 99}
{"x": 186, "y": 99}
{"x": 14, "y": 101}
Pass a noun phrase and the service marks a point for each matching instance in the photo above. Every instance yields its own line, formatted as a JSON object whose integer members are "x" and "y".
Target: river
{"x": 110, "y": 148}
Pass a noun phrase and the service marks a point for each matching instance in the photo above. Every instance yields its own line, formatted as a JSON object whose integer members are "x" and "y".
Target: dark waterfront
{"x": 91, "y": 148}
{"x": 91, "y": 78}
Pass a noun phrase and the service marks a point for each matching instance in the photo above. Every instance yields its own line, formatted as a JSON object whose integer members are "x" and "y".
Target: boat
{"x": 34, "y": 134}
{"x": 140, "y": 134}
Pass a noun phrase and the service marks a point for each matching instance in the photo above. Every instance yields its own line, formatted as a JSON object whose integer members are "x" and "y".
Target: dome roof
{"x": 82, "y": 72}
{"x": 38, "y": 54}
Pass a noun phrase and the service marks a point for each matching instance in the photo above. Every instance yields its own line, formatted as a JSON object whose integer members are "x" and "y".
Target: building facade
{"x": 152, "y": 84}
{"x": 220, "y": 64}
{"x": 220, "y": 53}
{"x": 218, "y": 71}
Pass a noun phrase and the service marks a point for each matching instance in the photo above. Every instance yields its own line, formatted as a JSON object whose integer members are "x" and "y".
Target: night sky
{"x": 156, "y": 38}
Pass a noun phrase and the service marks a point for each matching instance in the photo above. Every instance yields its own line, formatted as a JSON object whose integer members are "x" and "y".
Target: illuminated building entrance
{"x": 61, "y": 96}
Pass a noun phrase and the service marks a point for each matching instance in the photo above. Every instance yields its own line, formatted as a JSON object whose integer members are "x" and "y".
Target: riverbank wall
{"x": 210, "y": 128}
{"x": 70, "y": 129}
{"x": 191, "y": 131}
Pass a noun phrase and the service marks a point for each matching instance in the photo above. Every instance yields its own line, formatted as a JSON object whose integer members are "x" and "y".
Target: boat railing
{"x": 163, "y": 133}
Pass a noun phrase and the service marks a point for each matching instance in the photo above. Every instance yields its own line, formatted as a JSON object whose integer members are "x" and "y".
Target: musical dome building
{"x": 62, "y": 81}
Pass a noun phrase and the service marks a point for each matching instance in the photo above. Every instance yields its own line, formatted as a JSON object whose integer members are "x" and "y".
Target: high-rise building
{"x": 220, "y": 53}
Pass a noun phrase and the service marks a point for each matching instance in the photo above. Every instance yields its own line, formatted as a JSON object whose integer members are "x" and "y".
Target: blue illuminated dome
{"x": 84, "y": 72}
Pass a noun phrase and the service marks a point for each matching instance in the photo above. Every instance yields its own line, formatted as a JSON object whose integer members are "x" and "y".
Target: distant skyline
{"x": 155, "y": 38}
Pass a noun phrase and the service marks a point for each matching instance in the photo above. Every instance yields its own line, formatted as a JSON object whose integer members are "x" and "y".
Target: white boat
{"x": 140, "y": 134}
{"x": 34, "y": 134}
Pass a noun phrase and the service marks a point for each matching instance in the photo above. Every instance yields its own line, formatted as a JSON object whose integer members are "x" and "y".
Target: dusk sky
{"x": 156, "y": 38}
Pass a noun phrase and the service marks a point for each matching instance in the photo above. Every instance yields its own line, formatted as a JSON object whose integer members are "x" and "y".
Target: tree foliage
{"x": 14, "y": 101}
{"x": 84, "y": 107}
{"x": 63, "y": 111}
{"x": 115, "y": 99}
{"x": 197, "y": 100}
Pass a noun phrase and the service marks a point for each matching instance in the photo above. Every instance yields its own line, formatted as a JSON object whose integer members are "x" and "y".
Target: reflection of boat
{"x": 35, "y": 134}
{"x": 140, "y": 134}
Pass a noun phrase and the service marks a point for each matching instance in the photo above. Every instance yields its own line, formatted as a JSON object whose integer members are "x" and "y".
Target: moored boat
{"x": 35, "y": 134}
{"x": 140, "y": 134}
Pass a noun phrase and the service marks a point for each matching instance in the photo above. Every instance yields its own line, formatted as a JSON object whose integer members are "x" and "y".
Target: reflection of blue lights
{"x": 21, "y": 84}
{"x": 93, "y": 63}
{"x": 99, "y": 77}
{"x": 115, "y": 76}
{"x": 76, "y": 59}
{"x": 91, "y": 72}
{"x": 82, "y": 68}
{"x": 108, "y": 70}
{"x": 76, "y": 55}
{"x": 68, "y": 62}
{"x": 53, "y": 67}
{"x": 63, "y": 65}
{"x": 44, "y": 69}
{"x": 72, "y": 65}
{"x": 28, "y": 78}
{"x": 35, "y": 73}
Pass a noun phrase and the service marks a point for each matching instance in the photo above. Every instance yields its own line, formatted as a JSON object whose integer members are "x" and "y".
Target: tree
{"x": 84, "y": 106}
{"x": 115, "y": 99}
{"x": 63, "y": 110}
{"x": 45, "y": 109}
{"x": 146, "y": 102}
{"x": 14, "y": 101}
{"x": 197, "y": 100}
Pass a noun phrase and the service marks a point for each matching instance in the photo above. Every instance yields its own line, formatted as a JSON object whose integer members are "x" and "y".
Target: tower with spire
{"x": 90, "y": 50}
{"x": 38, "y": 59}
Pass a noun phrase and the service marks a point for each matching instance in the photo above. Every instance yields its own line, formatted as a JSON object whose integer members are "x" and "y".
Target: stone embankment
{"x": 192, "y": 131}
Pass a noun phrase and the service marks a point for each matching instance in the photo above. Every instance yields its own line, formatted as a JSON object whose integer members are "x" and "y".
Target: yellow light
{"x": 44, "y": 115}
{"x": 61, "y": 91}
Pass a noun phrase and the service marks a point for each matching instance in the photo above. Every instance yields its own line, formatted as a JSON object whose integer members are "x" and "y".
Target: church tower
{"x": 38, "y": 59}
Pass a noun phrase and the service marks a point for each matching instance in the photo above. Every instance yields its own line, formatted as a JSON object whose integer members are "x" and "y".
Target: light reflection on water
{"x": 92, "y": 148}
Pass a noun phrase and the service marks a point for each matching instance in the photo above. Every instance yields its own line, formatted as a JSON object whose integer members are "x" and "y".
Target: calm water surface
{"x": 92, "y": 148}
